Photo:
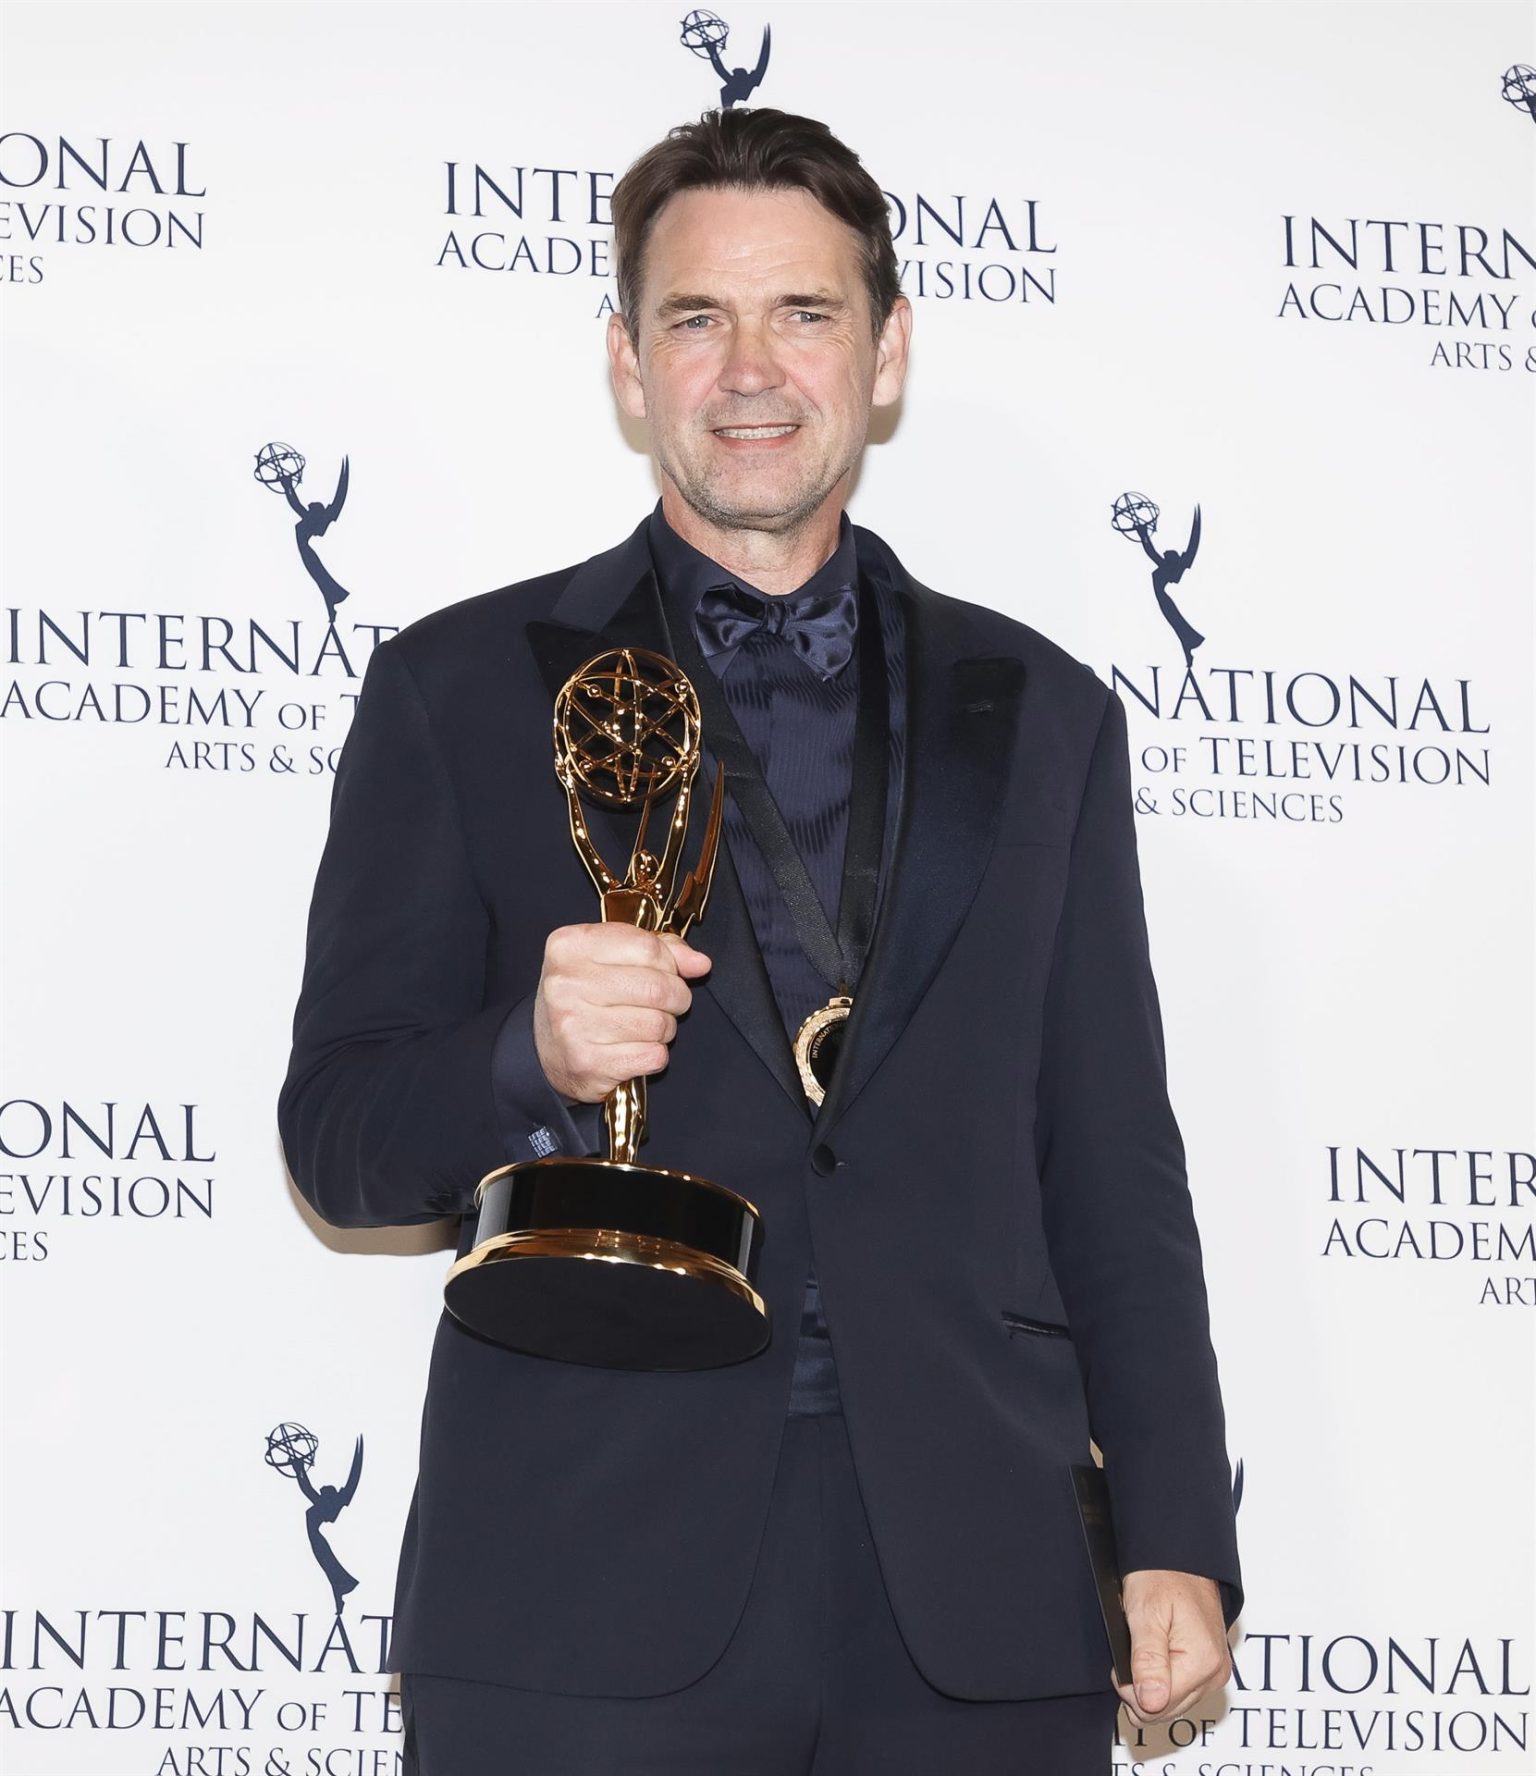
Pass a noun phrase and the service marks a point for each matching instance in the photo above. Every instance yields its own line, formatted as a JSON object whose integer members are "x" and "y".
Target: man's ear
{"x": 891, "y": 354}
{"x": 624, "y": 368}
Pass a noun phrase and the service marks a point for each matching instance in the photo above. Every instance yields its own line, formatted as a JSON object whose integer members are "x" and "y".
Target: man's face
{"x": 756, "y": 365}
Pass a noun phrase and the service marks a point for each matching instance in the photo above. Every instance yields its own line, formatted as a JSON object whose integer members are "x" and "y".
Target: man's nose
{"x": 751, "y": 365}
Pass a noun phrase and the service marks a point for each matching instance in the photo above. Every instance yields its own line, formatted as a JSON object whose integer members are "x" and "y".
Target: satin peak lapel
{"x": 962, "y": 717}
{"x": 561, "y": 649}
{"x": 612, "y": 601}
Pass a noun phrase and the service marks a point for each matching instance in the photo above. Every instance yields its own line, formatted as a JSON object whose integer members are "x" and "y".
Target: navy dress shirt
{"x": 800, "y": 727}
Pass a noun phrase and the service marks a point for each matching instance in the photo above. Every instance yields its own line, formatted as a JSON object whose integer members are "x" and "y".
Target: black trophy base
{"x": 616, "y": 1266}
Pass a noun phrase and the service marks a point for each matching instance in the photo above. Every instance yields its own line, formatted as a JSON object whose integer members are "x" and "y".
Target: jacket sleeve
{"x": 405, "y": 1086}
{"x": 1118, "y": 1219}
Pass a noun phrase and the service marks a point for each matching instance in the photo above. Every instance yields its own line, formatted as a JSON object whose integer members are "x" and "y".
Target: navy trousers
{"x": 815, "y": 1680}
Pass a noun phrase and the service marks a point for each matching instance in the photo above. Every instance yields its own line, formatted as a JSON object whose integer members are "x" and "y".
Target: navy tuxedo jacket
{"x": 993, "y": 1191}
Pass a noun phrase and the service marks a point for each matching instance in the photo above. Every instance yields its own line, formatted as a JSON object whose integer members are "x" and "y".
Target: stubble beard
{"x": 707, "y": 495}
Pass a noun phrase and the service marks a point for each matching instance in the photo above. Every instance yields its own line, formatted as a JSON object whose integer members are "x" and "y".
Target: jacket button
{"x": 824, "y": 1161}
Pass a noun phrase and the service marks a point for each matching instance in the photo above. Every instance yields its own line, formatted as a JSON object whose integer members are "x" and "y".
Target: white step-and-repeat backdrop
{"x": 1225, "y": 378}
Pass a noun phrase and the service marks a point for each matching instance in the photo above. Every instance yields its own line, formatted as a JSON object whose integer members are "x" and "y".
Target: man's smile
{"x": 754, "y": 434}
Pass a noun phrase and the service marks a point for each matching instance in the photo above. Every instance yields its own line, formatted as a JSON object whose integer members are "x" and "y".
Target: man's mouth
{"x": 755, "y": 431}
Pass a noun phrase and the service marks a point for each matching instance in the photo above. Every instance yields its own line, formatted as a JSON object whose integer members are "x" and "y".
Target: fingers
{"x": 608, "y": 1004}
{"x": 1180, "y": 1695}
{"x": 616, "y": 943}
{"x": 1178, "y": 1644}
{"x": 573, "y": 947}
{"x": 617, "y": 988}
{"x": 616, "y": 1062}
{"x": 1151, "y": 1673}
{"x": 689, "y": 962}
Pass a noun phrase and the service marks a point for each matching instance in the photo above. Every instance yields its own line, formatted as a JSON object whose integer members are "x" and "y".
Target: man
{"x": 857, "y": 1551}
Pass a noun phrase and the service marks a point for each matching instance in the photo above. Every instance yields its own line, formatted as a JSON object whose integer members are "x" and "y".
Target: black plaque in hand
{"x": 1099, "y": 1532}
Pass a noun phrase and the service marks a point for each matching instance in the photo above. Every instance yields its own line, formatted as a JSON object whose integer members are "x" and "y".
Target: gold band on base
{"x": 610, "y": 1246}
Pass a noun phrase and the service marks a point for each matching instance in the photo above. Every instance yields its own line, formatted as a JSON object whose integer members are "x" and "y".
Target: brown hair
{"x": 757, "y": 150}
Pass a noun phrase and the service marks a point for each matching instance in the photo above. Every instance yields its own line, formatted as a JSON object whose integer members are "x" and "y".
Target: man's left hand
{"x": 1178, "y": 1643}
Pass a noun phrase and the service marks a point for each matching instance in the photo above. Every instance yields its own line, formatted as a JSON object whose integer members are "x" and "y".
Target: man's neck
{"x": 773, "y": 562}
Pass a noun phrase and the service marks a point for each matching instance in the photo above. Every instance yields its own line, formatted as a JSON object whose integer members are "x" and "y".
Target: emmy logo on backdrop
{"x": 1134, "y": 515}
{"x": 1520, "y": 88}
{"x": 291, "y": 1449}
{"x": 707, "y": 35}
{"x": 281, "y": 468}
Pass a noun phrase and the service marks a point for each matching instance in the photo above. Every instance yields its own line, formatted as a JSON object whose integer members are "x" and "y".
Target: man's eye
{"x": 808, "y": 314}
{"x": 689, "y": 326}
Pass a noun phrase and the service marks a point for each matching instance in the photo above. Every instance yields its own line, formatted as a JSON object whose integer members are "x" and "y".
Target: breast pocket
{"x": 1017, "y": 1322}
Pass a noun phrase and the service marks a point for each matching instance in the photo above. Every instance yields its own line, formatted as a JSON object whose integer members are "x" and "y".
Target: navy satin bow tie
{"x": 819, "y": 627}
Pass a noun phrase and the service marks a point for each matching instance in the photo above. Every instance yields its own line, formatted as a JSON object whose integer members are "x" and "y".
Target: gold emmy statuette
{"x": 605, "y": 1261}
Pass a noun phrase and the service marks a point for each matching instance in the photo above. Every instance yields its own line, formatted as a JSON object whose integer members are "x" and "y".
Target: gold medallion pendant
{"x": 818, "y": 1042}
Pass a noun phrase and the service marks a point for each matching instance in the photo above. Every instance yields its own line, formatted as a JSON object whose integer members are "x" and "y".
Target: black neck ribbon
{"x": 837, "y": 957}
